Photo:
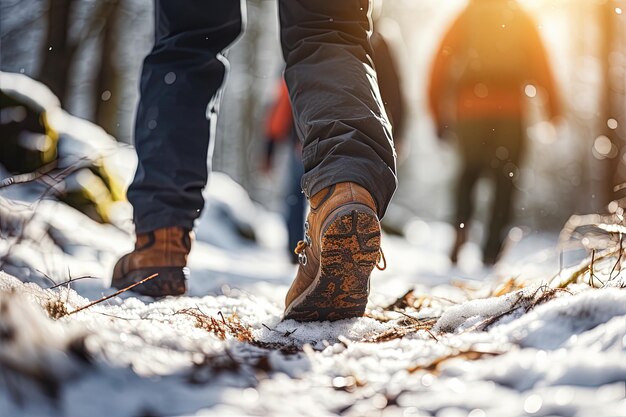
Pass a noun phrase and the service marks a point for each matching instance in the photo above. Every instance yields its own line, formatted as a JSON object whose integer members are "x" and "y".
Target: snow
{"x": 565, "y": 357}
{"x": 464, "y": 347}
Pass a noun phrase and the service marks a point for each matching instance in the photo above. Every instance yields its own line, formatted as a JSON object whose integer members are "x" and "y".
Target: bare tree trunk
{"x": 59, "y": 51}
{"x": 56, "y": 50}
{"x": 608, "y": 106}
{"x": 108, "y": 83}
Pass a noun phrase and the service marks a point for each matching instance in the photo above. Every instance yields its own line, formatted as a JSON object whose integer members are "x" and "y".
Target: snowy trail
{"x": 460, "y": 342}
{"x": 455, "y": 349}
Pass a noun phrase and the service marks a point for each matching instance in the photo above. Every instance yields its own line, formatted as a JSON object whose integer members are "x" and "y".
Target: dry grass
{"x": 407, "y": 300}
{"x": 508, "y": 286}
{"x": 469, "y": 354}
{"x": 411, "y": 301}
{"x": 56, "y": 309}
{"x": 224, "y": 327}
{"x": 603, "y": 238}
{"x": 400, "y": 331}
{"x": 525, "y": 301}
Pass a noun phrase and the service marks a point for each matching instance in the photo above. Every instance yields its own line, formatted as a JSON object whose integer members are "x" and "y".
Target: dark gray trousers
{"x": 332, "y": 85}
{"x": 493, "y": 147}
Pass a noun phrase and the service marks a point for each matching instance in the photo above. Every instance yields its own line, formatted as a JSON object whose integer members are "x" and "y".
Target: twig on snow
{"x": 286, "y": 334}
{"x": 115, "y": 294}
{"x": 69, "y": 281}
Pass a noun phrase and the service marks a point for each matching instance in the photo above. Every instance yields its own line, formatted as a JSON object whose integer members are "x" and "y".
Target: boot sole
{"x": 350, "y": 246}
{"x": 170, "y": 281}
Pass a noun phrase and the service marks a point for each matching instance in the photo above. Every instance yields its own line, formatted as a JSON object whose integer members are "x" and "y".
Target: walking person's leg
{"x": 500, "y": 217}
{"x": 348, "y": 154}
{"x": 464, "y": 205}
{"x": 509, "y": 134}
{"x": 180, "y": 84}
{"x": 472, "y": 148}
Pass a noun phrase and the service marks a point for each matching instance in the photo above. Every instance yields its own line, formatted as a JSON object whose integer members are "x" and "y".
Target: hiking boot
{"x": 163, "y": 252}
{"x": 341, "y": 246}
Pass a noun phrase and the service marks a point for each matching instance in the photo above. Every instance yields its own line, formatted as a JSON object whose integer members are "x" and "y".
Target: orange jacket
{"x": 280, "y": 120}
{"x": 490, "y": 53}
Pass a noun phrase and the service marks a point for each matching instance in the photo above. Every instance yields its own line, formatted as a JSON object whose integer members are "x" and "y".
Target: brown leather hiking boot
{"x": 341, "y": 246}
{"x": 163, "y": 252}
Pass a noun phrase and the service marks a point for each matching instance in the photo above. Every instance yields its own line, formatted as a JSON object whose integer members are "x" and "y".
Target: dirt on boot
{"x": 339, "y": 252}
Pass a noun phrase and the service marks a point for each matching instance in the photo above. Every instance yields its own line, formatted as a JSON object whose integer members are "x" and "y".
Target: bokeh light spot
{"x": 533, "y": 404}
{"x": 530, "y": 90}
{"x": 603, "y": 145}
{"x": 612, "y": 124}
{"x": 169, "y": 78}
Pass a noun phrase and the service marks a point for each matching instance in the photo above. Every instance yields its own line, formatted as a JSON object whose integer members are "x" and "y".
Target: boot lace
{"x": 302, "y": 245}
{"x": 381, "y": 257}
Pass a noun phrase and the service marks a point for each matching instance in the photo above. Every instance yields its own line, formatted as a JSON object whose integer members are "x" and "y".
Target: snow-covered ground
{"x": 463, "y": 342}
{"x": 520, "y": 339}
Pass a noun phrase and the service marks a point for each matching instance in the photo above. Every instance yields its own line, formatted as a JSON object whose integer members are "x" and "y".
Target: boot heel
{"x": 170, "y": 281}
{"x": 350, "y": 246}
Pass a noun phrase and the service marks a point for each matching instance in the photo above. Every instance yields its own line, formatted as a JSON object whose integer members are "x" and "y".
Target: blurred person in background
{"x": 280, "y": 129}
{"x": 490, "y": 59}
{"x": 348, "y": 153}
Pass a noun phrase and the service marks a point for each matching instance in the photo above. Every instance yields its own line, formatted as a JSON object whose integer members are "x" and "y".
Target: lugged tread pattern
{"x": 349, "y": 251}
